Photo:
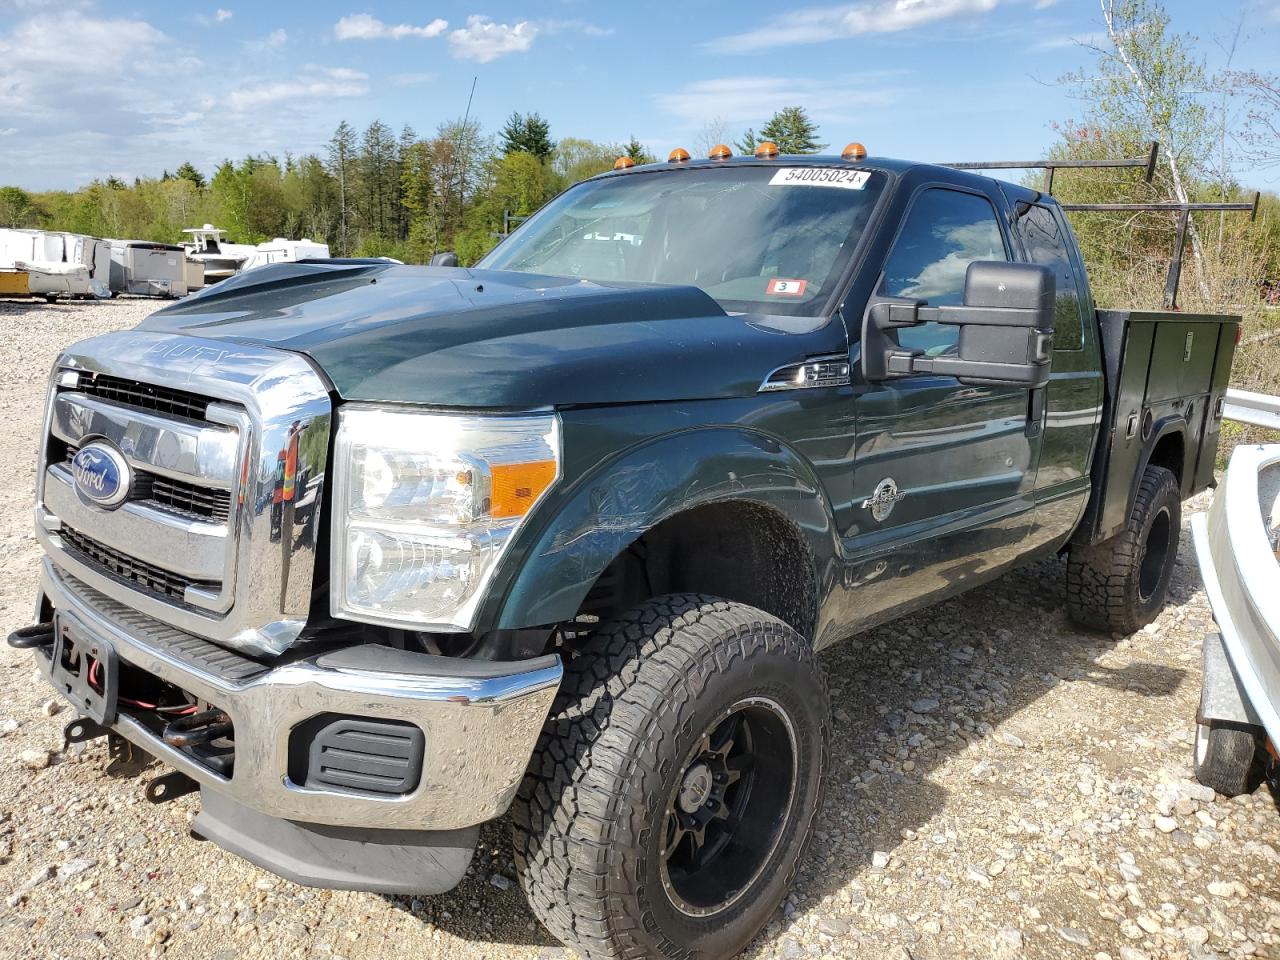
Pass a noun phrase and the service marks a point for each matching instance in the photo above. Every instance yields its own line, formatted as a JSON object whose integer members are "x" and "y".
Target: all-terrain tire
{"x": 1120, "y": 585}
{"x": 592, "y": 812}
{"x": 1224, "y": 757}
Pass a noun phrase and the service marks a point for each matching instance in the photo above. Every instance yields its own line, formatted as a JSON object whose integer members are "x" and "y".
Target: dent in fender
{"x": 617, "y": 503}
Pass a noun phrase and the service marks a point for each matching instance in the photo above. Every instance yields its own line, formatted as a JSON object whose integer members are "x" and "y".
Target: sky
{"x": 135, "y": 87}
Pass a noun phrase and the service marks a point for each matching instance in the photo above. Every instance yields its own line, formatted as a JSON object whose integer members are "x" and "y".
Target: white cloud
{"x": 816, "y": 24}
{"x": 8, "y": 131}
{"x": 275, "y": 40}
{"x": 364, "y": 26}
{"x": 315, "y": 84}
{"x": 753, "y": 99}
{"x": 1045, "y": 4}
{"x": 483, "y": 40}
{"x": 222, "y": 16}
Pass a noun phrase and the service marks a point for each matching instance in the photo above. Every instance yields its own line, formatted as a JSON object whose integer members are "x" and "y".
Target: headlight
{"x": 425, "y": 505}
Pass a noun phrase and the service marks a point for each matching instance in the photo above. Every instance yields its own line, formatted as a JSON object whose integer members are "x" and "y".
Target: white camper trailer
{"x": 58, "y": 264}
{"x": 148, "y": 269}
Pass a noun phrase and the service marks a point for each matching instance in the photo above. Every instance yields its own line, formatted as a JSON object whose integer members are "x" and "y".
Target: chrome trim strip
{"x": 199, "y": 551}
{"x": 1242, "y": 580}
{"x": 480, "y": 732}
{"x": 207, "y": 456}
{"x": 769, "y": 385}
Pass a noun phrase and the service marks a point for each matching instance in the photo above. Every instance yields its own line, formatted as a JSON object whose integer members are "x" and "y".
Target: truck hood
{"x": 483, "y": 338}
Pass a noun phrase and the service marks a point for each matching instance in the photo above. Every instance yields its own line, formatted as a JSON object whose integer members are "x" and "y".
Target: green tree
{"x": 1145, "y": 84}
{"x": 342, "y": 164}
{"x": 638, "y": 152}
{"x": 380, "y": 177}
{"x": 747, "y": 145}
{"x": 17, "y": 209}
{"x": 527, "y": 134}
{"x": 420, "y": 198}
{"x": 792, "y": 130}
{"x": 188, "y": 172}
{"x": 577, "y": 159}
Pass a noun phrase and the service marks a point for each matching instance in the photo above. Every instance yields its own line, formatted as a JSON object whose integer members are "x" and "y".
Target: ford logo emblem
{"x": 101, "y": 474}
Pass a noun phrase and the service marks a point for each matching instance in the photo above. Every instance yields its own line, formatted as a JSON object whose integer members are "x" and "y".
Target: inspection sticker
{"x": 779, "y": 287}
{"x": 820, "y": 177}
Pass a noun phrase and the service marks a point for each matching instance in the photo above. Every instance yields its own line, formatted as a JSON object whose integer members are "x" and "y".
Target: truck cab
{"x": 370, "y": 554}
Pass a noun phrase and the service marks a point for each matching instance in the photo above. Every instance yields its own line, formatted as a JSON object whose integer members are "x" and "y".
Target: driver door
{"x": 943, "y": 472}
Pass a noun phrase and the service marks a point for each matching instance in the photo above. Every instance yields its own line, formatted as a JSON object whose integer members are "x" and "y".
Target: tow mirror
{"x": 1006, "y": 329}
{"x": 446, "y": 259}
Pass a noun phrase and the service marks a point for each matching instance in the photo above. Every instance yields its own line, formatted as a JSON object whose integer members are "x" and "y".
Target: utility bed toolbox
{"x": 1166, "y": 376}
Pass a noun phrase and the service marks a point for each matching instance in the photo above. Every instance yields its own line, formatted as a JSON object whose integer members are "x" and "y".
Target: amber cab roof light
{"x": 766, "y": 150}
{"x": 854, "y": 151}
{"x": 678, "y": 155}
{"x": 622, "y": 163}
{"x": 720, "y": 152}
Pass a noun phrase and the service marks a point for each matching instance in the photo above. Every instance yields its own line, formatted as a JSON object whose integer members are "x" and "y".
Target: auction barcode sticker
{"x": 820, "y": 177}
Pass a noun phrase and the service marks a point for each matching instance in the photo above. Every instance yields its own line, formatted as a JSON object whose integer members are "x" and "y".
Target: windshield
{"x": 756, "y": 239}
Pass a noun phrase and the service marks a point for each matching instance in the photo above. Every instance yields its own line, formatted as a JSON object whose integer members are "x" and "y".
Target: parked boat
{"x": 220, "y": 258}
{"x": 281, "y": 250}
{"x": 56, "y": 264}
{"x": 148, "y": 269}
{"x": 1238, "y": 721}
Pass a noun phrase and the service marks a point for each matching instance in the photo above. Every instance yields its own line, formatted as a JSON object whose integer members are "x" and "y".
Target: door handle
{"x": 1035, "y": 412}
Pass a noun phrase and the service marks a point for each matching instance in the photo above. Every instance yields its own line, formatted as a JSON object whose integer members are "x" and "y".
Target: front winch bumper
{"x": 474, "y": 723}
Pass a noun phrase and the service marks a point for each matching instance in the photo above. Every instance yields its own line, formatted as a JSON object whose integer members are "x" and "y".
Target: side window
{"x": 944, "y": 232}
{"x": 1046, "y": 245}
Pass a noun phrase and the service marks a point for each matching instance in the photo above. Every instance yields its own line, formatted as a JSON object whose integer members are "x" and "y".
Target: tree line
{"x": 369, "y": 193}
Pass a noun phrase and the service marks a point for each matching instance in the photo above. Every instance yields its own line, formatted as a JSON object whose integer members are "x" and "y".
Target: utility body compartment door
{"x": 1166, "y": 373}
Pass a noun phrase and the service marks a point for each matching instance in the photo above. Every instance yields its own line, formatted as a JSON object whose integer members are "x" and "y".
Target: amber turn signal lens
{"x": 766, "y": 150}
{"x": 516, "y": 486}
{"x": 854, "y": 151}
{"x": 720, "y": 152}
{"x": 622, "y": 163}
{"x": 678, "y": 155}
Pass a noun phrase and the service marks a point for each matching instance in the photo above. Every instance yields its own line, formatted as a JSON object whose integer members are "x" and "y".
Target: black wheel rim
{"x": 726, "y": 813}
{"x": 1155, "y": 555}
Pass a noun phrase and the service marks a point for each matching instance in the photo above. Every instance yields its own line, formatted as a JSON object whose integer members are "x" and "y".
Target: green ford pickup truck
{"x": 370, "y": 554}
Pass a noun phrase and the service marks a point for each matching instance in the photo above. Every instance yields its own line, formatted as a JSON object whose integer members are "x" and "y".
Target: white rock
{"x": 34, "y": 759}
{"x": 1196, "y": 935}
{"x": 1011, "y": 936}
{"x": 8, "y": 727}
{"x": 50, "y": 707}
{"x": 73, "y": 868}
{"x": 1166, "y": 824}
{"x": 879, "y": 860}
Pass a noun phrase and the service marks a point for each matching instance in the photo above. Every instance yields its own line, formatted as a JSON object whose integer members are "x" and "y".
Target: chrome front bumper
{"x": 480, "y": 719}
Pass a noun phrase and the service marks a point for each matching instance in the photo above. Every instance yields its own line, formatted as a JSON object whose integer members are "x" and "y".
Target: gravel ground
{"x": 1003, "y": 785}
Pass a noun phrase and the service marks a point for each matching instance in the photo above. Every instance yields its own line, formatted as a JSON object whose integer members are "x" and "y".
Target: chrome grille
{"x": 191, "y": 500}
{"x": 210, "y": 540}
{"x": 178, "y": 496}
{"x": 145, "y": 396}
{"x": 144, "y": 576}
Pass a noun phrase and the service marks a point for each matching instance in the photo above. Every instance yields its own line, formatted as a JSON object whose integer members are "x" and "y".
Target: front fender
{"x": 603, "y": 513}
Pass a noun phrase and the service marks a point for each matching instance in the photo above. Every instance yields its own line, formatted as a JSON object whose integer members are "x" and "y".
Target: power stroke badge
{"x": 101, "y": 474}
{"x": 881, "y": 502}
